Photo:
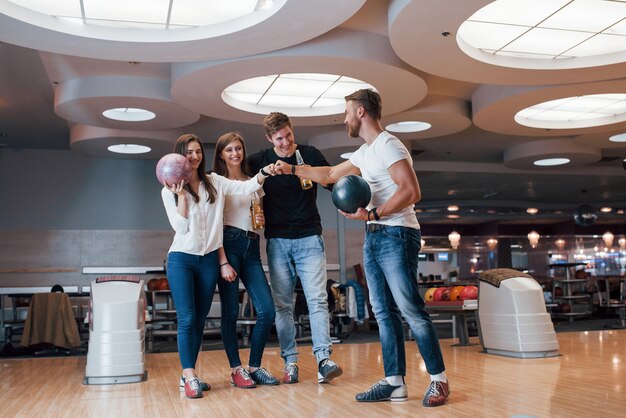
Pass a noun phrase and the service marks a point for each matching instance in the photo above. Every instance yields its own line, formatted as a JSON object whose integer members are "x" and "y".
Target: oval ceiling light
{"x": 549, "y": 162}
{"x": 143, "y": 14}
{"x": 453, "y": 208}
{"x": 532, "y": 211}
{"x": 575, "y": 112}
{"x": 129, "y": 114}
{"x": 541, "y": 34}
{"x": 618, "y": 138}
{"x": 408, "y": 126}
{"x": 297, "y": 94}
{"x": 606, "y": 209}
{"x": 129, "y": 149}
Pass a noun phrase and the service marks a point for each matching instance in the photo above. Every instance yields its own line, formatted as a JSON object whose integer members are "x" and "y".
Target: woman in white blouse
{"x": 195, "y": 211}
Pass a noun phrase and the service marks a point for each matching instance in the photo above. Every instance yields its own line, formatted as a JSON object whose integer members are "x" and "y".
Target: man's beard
{"x": 353, "y": 131}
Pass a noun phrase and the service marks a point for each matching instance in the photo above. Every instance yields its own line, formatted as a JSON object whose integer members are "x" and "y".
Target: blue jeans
{"x": 192, "y": 280}
{"x": 390, "y": 259}
{"x": 244, "y": 256}
{"x": 303, "y": 258}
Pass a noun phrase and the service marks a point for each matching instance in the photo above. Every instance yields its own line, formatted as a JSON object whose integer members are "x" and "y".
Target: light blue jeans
{"x": 390, "y": 259}
{"x": 304, "y": 258}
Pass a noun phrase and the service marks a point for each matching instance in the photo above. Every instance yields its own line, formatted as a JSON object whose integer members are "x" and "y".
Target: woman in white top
{"x": 240, "y": 259}
{"x": 195, "y": 213}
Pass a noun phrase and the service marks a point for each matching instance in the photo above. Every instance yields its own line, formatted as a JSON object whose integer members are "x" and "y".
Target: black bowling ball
{"x": 585, "y": 216}
{"x": 350, "y": 193}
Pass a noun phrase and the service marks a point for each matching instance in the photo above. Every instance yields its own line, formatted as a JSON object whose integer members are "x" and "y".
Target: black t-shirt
{"x": 290, "y": 212}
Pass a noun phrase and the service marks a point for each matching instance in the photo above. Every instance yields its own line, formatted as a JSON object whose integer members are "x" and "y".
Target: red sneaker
{"x": 241, "y": 379}
{"x": 436, "y": 394}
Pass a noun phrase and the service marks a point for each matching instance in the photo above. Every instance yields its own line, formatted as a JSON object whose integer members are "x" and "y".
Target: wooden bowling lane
{"x": 587, "y": 380}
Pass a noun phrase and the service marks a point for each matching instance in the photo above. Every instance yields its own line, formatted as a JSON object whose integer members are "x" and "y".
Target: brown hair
{"x": 274, "y": 122}
{"x": 219, "y": 165}
{"x": 182, "y": 143}
{"x": 370, "y": 100}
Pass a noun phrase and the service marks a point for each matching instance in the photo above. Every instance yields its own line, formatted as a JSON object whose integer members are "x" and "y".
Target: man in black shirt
{"x": 295, "y": 247}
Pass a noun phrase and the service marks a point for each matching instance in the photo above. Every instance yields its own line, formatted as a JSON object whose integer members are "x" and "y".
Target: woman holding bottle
{"x": 195, "y": 212}
{"x": 240, "y": 259}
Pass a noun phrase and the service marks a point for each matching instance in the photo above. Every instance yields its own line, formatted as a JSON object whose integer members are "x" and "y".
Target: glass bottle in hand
{"x": 305, "y": 183}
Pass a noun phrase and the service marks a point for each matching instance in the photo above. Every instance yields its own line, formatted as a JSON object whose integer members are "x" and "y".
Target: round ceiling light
{"x": 297, "y": 94}
{"x": 129, "y": 149}
{"x": 129, "y": 114}
{"x": 618, "y": 138}
{"x": 408, "y": 126}
{"x": 549, "y": 162}
{"x": 575, "y": 112}
{"x": 546, "y": 35}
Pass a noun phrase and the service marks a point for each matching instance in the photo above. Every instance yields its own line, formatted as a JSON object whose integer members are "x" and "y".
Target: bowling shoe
{"x": 436, "y": 394}
{"x": 327, "y": 371}
{"x": 263, "y": 377}
{"x": 241, "y": 379}
{"x": 383, "y": 391}
{"x": 192, "y": 388}
{"x": 203, "y": 385}
{"x": 291, "y": 373}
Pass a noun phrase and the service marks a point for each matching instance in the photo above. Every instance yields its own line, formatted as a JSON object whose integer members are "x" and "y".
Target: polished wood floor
{"x": 587, "y": 380}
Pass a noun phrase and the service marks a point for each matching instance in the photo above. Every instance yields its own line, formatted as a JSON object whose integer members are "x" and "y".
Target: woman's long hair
{"x": 219, "y": 165}
{"x": 182, "y": 143}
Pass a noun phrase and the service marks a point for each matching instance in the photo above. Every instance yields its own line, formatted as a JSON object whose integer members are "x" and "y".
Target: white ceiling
{"x": 54, "y": 87}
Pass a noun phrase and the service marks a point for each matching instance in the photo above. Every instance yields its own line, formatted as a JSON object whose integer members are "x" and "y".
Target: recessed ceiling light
{"x": 620, "y": 211}
{"x": 575, "y": 112}
{"x": 129, "y": 149}
{"x": 346, "y": 155}
{"x": 452, "y": 216}
{"x": 606, "y": 209}
{"x": 532, "y": 211}
{"x": 618, "y": 138}
{"x": 297, "y": 94}
{"x": 546, "y": 34}
{"x": 453, "y": 208}
{"x": 408, "y": 126}
{"x": 548, "y": 162}
{"x": 129, "y": 114}
{"x": 146, "y": 14}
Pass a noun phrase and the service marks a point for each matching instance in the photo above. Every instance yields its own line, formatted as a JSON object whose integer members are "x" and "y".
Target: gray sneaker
{"x": 263, "y": 377}
{"x": 327, "y": 370}
{"x": 383, "y": 391}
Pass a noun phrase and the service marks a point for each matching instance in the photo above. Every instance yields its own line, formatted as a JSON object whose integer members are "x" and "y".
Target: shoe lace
{"x": 193, "y": 383}
{"x": 433, "y": 389}
{"x": 244, "y": 373}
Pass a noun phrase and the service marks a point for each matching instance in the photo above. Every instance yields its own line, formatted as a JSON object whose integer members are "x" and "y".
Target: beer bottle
{"x": 255, "y": 208}
{"x": 305, "y": 183}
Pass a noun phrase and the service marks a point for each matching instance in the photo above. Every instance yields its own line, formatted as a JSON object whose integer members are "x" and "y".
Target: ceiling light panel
{"x": 513, "y": 12}
{"x": 549, "y": 42}
{"x": 529, "y": 32}
{"x": 65, "y": 8}
{"x": 318, "y": 92}
{"x": 202, "y": 12}
{"x": 141, "y": 11}
{"x": 586, "y": 15}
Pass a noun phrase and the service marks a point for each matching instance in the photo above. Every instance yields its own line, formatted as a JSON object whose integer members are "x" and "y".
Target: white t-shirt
{"x": 374, "y": 161}
{"x": 237, "y": 210}
{"x": 202, "y": 231}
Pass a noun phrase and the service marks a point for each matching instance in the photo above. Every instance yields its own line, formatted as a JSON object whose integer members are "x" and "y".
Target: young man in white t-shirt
{"x": 392, "y": 242}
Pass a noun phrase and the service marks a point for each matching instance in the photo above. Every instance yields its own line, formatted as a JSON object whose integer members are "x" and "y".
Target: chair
{"x": 51, "y": 321}
{"x": 603, "y": 289}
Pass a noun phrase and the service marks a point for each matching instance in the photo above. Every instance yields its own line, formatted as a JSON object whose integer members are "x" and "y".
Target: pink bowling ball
{"x": 172, "y": 168}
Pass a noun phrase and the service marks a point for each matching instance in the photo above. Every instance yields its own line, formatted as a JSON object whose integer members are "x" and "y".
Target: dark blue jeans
{"x": 244, "y": 256}
{"x": 390, "y": 258}
{"x": 192, "y": 280}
